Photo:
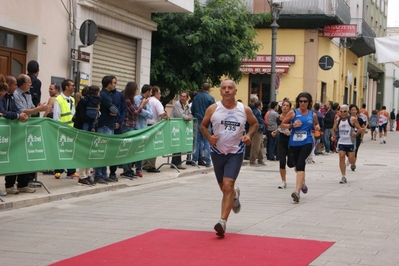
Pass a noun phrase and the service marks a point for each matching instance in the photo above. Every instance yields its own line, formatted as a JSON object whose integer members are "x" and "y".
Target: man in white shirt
{"x": 159, "y": 113}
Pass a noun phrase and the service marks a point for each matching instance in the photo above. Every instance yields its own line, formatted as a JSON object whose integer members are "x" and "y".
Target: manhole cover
{"x": 375, "y": 164}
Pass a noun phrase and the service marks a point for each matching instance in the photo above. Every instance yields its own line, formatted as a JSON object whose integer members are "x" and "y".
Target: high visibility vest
{"x": 66, "y": 115}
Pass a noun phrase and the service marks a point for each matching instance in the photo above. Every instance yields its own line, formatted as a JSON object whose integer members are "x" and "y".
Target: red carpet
{"x": 178, "y": 247}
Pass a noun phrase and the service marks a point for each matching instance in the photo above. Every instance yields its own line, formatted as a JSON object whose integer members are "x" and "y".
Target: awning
{"x": 265, "y": 68}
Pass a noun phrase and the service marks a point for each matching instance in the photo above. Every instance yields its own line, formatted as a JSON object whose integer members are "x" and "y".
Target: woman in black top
{"x": 354, "y": 111}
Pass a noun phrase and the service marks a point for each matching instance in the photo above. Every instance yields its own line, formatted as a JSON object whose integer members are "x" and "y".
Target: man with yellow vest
{"x": 63, "y": 111}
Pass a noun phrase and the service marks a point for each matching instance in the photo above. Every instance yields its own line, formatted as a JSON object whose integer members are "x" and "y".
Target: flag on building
{"x": 387, "y": 49}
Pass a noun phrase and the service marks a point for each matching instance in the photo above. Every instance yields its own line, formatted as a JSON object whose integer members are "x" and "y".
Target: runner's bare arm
{"x": 253, "y": 122}
{"x": 334, "y": 129}
{"x": 286, "y": 123}
{"x": 205, "y": 125}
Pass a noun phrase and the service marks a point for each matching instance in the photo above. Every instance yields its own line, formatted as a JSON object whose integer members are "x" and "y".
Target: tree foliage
{"x": 190, "y": 49}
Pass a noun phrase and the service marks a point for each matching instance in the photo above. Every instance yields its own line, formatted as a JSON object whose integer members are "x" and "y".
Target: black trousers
{"x": 176, "y": 159}
{"x": 23, "y": 180}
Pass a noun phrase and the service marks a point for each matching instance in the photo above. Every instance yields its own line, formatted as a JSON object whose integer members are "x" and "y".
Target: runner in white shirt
{"x": 347, "y": 138}
{"x": 228, "y": 118}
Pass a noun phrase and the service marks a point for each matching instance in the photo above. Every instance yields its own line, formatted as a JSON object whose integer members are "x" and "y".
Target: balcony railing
{"x": 331, "y": 8}
{"x": 364, "y": 43}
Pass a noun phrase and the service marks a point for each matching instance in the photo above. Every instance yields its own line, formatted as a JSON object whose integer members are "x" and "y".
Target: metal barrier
{"x": 33, "y": 184}
{"x": 168, "y": 156}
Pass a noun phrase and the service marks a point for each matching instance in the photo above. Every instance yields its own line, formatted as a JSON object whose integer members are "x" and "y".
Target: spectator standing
{"x": 256, "y": 155}
{"x": 328, "y": 125}
{"x": 181, "y": 110}
{"x": 130, "y": 122}
{"x": 23, "y": 101}
{"x": 393, "y": 118}
{"x": 118, "y": 99}
{"x": 9, "y": 110}
{"x": 79, "y": 119}
{"x": 320, "y": 118}
{"x": 397, "y": 121}
{"x": 36, "y": 86}
{"x": 106, "y": 121}
{"x": 91, "y": 102}
{"x": 54, "y": 91}
{"x": 272, "y": 136}
{"x": 200, "y": 103}
{"x": 63, "y": 111}
{"x": 159, "y": 113}
{"x": 252, "y": 100}
{"x": 142, "y": 118}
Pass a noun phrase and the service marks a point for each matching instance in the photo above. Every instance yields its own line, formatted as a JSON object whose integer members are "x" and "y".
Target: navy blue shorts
{"x": 346, "y": 147}
{"x": 383, "y": 127}
{"x": 226, "y": 165}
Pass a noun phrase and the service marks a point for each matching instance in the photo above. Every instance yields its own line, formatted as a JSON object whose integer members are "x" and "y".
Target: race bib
{"x": 299, "y": 136}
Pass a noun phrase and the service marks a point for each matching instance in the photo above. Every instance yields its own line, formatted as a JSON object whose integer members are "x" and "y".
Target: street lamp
{"x": 275, "y": 9}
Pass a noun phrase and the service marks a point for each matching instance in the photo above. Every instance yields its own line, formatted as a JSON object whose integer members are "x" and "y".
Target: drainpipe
{"x": 72, "y": 38}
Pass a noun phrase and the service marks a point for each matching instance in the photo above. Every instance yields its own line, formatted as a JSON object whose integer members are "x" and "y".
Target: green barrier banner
{"x": 42, "y": 144}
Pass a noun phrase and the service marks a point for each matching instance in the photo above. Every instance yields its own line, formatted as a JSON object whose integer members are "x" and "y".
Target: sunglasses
{"x": 343, "y": 111}
{"x": 303, "y": 101}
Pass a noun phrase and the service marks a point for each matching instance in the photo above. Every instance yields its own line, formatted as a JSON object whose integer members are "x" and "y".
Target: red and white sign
{"x": 262, "y": 58}
{"x": 264, "y": 69}
{"x": 340, "y": 31}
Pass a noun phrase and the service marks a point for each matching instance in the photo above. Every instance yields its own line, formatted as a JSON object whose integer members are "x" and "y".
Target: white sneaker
{"x": 220, "y": 228}
{"x": 2, "y": 193}
{"x": 12, "y": 190}
{"x": 236, "y": 204}
{"x": 347, "y": 162}
{"x": 26, "y": 189}
{"x": 283, "y": 185}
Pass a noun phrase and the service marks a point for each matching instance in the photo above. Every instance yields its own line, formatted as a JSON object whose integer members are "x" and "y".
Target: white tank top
{"x": 345, "y": 133}
{"x": 229, "y": 125}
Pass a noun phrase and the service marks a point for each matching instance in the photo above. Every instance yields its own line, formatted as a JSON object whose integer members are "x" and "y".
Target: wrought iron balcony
{"x": 306, "y": 14}
{"x": 364, "y": 42}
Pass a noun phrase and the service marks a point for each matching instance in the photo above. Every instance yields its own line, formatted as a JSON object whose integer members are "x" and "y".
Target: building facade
{"x": 50, "y": 33}
{"x": 327, "y": 64}
{"x": 391, "y": 89}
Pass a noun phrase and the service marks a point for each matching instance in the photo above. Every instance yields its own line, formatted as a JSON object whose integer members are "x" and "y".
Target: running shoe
{"x": 353, "y": 167}
{"x": 304, "y": 188}
{"x": 84, "y": 181}
{"x": 220, "y": 228}
{"x": 74, "y": 175}
{"x": 295, "y": 196}
{"x": 57, "y": 175}
{"x": 343, "y": 180}
{"x": 236, "y": 204}
{"x": 347, "y": 162}
{"x": 283, "y": 185}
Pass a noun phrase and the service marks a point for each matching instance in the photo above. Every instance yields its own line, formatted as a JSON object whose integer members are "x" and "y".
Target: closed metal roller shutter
{"x": 114, "y": 54}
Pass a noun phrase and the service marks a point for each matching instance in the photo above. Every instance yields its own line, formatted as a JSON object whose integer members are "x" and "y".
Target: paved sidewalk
{"x": 361, "y": 217}
{"x": 64, "y": 188}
